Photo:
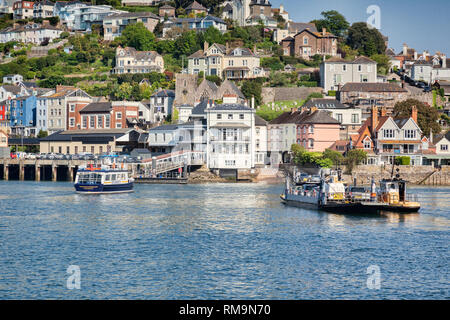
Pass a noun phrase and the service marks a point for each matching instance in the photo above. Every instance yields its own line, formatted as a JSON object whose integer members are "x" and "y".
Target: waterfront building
{"x": 106, "y": 115}
{"x": 384, "y": 137}
{"x": 129, "y": 60}
{"x": 83, "y": 17}
{"x": 41, "y": 111}
{"x": 230, "y": 136}
{"x": 161, "y": 104}
{"x": 92, "y": 141}
{"x": 23, "y": 116}
{"x": 75, "y": 102}
{"x": 261, "y": 145}
{"x": 350, "y": 118}
{"x": 114, "y": 24}
{"x": 317, "y": 130}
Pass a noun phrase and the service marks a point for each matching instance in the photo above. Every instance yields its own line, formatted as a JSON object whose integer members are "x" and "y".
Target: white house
{"x": 336, "y": 72}
{"x": 436, "y": 69}
{"x": 34, "y": 33}
{"x": 261, "y": 139}
{"x": 129, "y": 60}
{"x": 230, "y": 136}
{"x": 13, "y": 79}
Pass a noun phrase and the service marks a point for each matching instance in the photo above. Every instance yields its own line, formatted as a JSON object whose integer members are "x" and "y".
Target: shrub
{"x": 403, "y": 161}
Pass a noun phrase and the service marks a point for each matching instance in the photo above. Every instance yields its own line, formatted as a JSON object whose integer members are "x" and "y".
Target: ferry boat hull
{"x": 101, "y": 188}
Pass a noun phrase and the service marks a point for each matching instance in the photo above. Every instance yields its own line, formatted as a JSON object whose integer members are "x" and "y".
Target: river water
{"x": 215, "y": 241}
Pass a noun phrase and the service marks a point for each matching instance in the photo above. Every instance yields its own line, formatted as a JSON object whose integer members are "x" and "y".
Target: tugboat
{"x": 329, "y": 195}
{"x": 103, "y": 179}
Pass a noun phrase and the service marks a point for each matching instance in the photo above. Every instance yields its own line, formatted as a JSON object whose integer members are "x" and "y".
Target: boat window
{"x": 113, "y": 177}
{"x": 108, "y": 177}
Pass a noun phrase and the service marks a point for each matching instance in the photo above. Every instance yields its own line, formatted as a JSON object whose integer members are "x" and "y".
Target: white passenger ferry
{"x": 103, "y": 179}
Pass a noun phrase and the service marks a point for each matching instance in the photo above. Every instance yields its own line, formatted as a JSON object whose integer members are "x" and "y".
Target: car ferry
{"x": 329, "y": 195}
{"x": 103, "y": 179}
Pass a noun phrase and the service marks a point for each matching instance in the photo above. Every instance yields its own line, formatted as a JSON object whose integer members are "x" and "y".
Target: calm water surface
{"x": 216, "y": 241}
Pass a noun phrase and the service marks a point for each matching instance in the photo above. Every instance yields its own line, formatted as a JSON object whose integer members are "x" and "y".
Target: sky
{"x": 421, "y": 24}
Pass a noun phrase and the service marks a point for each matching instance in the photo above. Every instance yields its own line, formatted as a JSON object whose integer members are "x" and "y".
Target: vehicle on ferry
{"x": 331, "y": 195}
{"x": 103, "y": 179}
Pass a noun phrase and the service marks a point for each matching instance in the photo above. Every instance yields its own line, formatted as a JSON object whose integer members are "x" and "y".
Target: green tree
{"x": 354, "y": 157}
{"x": 123, "y": 91}
{"x": 251, "y": 89}
{"x": 333, "y": 21}
{"x": 42, "y": 134}
{"x": 136, "y": 35}
{"x": 366, "y": 41}
{"x": 427, "y": 116}
{"x": 336, "y": 157}
{"x": 383, "y": 63}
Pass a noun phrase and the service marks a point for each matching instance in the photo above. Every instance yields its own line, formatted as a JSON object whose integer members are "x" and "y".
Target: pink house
{"x": 317, "y": 131}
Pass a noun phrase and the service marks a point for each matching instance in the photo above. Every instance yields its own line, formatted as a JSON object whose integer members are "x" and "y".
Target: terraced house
{"x": 35, "y": 33}
{"x": 233, "y": 64}
{"x": 129, "y": 60}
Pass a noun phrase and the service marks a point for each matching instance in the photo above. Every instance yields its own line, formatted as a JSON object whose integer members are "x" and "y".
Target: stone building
{"x": 307, "y": 43}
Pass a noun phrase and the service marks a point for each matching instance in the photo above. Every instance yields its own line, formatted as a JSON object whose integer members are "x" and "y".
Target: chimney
{"x": 227, "y": 47}
{"x": 444, "y": 61}
{"x": 415, "y": 55}
{"x": 293, "y": 110}
{"x": 424, "y": 54}
{"x": 383, "y": 111}
{"x": 431, "y": 135}
{"x": 208, "y": 105}
{"x": 205, "y": 46}
{"x": 405, "y": 49}
{"x": 324, "y": 31}
{"x": 414, "y": 113}
{"x": 253, "y": 102}
{"x": 374, "y": 119}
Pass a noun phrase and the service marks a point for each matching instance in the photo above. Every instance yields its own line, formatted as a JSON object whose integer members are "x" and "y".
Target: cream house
{"x": 129, "y": 60}
{"x": 217, "y": 59}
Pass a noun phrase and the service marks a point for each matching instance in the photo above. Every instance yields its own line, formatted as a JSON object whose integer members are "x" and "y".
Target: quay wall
{"x": 417, "y": 175}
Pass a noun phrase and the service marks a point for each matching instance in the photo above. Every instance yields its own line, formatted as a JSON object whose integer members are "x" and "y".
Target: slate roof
{"x": 195, "y": 6}
{"x": 164, "y": 93}
{"x": 324, "y": 104}
{"x": 372, "y": 87}
{"x": 12, "y": 88}
{"x": 231, "y": 107}
{"x": 300, "y": 26}
{"x": 94, "y": 107}
{"x": 260, "y": 121}
{"x": 319, "y": 116}
{"x": 84, "y": 135}
{"x": 288, "y": 117}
